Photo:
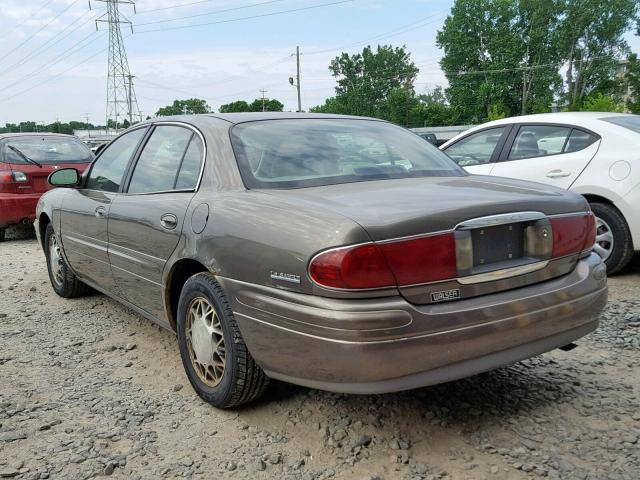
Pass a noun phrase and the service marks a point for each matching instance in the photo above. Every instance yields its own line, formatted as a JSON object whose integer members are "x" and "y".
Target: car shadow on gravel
{"x": 524, "y": 388}
{"x": 20, "y": 232}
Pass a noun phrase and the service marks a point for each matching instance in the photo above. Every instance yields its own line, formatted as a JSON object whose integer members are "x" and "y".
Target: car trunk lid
{"x": 500, "y": 228}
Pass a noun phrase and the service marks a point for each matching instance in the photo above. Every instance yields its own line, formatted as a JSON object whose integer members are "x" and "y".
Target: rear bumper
{"x": 14, "y": 208}
{"x": 388, "y": 344}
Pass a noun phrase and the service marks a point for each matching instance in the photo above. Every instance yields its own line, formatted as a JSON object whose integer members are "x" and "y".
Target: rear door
{"x": 146, "y": 220}
{"x": 478, "y": 151}
{"x": 85, "y": 211}
{"x": 552, "y": 154}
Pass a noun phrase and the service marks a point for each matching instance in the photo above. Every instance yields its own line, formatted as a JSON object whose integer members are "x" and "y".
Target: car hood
{"x": 402, "y": 207}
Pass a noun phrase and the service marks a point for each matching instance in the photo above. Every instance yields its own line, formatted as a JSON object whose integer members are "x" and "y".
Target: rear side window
{"x": 538, "y": 141}
{"x": 579, "y": 140}
{"x": 160, "y": 159}
{"x": 108, "y": 170}
{"x": 46, "y": 150}
{"x": 170, "y": 160}
{"x": 191, "y": 165}
{"x": 477, "y": 148}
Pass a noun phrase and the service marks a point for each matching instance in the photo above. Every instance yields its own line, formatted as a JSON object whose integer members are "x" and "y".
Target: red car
{"x": 26, "y": 160}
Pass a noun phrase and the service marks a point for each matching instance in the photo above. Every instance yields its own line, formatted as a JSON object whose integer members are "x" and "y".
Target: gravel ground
{"x": 88, "y": 388}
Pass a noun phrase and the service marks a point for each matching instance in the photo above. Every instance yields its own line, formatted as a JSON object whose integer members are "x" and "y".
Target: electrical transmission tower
{"x": 121, "y": 97}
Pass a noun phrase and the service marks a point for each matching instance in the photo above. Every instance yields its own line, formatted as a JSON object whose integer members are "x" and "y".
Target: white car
{"x": 594, "y": 154}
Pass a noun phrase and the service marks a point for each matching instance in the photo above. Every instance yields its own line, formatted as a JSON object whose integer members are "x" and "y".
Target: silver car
{"x": 340, "y": 253}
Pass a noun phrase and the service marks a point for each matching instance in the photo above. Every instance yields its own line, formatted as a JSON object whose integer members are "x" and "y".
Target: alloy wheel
{"x": 205, "y": 341}
{"x": 55, "y": 259}
{"x": 604, "y": 239}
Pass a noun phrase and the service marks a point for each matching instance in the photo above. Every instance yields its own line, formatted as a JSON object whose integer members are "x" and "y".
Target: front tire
{"x": 215, "y": 357}
{"x": 63, "y": 280}
{"x": 613, "y": 238}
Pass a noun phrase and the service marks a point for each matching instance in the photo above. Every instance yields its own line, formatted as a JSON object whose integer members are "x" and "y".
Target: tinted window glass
{"x": 538, "y": 141}
{"x": 159, "y": 161}
{"x": 191, "y": 165}
{"x": 632, "y": 122}
{"x": 108, "y": 170}
{"x": 579, "y": 140}
{"x": 476, "y": 149}
{"x": 47, "y": 150}
{"x": 313, "y": 152}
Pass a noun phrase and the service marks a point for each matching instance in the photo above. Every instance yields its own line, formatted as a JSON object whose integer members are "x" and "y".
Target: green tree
{"x": 501, "y": 52}
{"x": 191, "y": 106}
{"x": 237, "y": 106}
{"x": 267, "y": 105}
{"x": 592, "y": 40}
{"x": 599, "y": 102}
{"x": 270, "y": 105}
{"x": 633, "y": 83}
{"x": 366, "y": 80}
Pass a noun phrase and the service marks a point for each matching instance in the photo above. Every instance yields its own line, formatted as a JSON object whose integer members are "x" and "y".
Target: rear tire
{"x": 215, "y": 357}
{"x": 63, "y": 280}
{"x": 612, "y": 225}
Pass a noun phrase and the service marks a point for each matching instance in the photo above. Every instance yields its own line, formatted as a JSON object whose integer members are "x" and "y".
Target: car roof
{"x": 236, "y": 118}
{"x": 579, "y": 118}
{"x": 33, "y": 134}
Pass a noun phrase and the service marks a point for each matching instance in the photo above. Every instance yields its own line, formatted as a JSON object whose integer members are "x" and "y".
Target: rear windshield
{"x": 46, "y": 150}
{"x": 314, "y": 152}
{"x": 632, "y": 122}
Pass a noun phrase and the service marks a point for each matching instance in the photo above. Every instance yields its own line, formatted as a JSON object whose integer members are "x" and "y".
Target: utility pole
{"x": 86, "y": 116}
{"x": 121, "y": 97}
{"x": 296, "y": 82}
{"x": 263, "y": 91}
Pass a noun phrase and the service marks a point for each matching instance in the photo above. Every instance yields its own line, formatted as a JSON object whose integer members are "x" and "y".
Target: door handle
{"x": 169, "y": 221}
{"x": 558, "y": 174}
{"x": 100, "y": 212}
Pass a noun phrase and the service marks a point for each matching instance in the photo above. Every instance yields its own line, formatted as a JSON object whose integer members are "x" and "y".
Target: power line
{"x": 48, "y": 79}
{"x": 397, "y": 31}
{"x": 263, "y": 15}
{"x": 210, "y": 13}
{"x": 28, "y": 17}
{"x": 38, "y": 31}
{"x": 77, "y": 47}
{"x": 47, "y": 45}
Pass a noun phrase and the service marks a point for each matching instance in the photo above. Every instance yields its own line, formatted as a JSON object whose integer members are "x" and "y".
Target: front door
{"x": 85, "y": 212}
{"x": 478, "y": 151}
{"x": 551, "y": 154}
{"x": 146, "y": 220}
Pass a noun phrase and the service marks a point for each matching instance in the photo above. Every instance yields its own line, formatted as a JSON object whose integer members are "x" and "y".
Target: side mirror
{"x": 65, "y": 177}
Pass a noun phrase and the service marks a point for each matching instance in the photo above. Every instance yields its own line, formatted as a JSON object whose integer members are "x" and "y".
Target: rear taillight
{"x": 573, "y": 234}
{"x": 12, "y": 176}
{"x": 389, "y": 264}
{"x": 361, "y": 266}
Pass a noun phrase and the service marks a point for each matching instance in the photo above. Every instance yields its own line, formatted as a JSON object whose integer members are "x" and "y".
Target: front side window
{"x": 315, "y": 152}
{"x": 157, "y": 167}
{"x": 538, "y": 141}
{"x": 46, "y": 150}
{"x": 477, "y": 148}
{"x": 108, "y": 170}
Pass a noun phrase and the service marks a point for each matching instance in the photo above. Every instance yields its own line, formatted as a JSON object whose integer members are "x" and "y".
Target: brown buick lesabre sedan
{"x": 340, "y": 253}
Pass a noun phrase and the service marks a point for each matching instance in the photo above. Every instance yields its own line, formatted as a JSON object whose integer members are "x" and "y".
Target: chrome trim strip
{"x": 500, "y": 219}
{"x": 502, "y": 273}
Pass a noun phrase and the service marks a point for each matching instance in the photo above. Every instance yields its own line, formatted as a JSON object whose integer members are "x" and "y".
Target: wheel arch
{"x": 180, "y": 272}
{"x": 43, "y": 221}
